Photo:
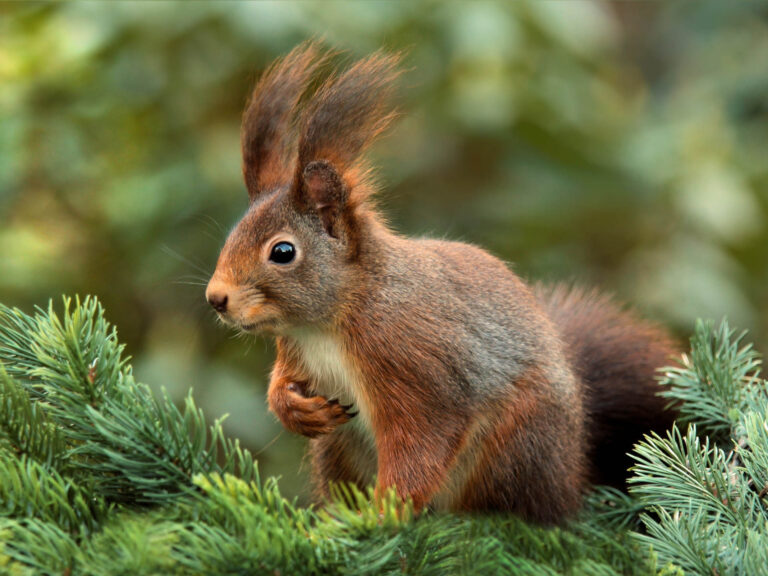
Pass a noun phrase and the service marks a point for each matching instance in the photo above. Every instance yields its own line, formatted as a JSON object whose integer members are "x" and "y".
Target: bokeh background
{"x": 619, "y": 145}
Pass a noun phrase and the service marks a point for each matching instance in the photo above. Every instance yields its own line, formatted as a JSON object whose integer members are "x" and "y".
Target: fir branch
{"x": 260, "y": 529}
{"x": 688, "y": 540}
{"x": 26, "y": 426}
{"x": 752, "y": 449}
{"x": 698, "y": 472}
{"x": 34, "y": 546}
{"x": 132, "y": 544}
{"x": 30, "y": 490}
{"x": 713, "y": 383}
{"x": 707, "y": 506}
{"x": 137, "y": 448}
{"x": 755, "y": 556}
{"x": 16, "y": 336}
{"x": 84, "y": 451}
{"x": 605, "y": 507}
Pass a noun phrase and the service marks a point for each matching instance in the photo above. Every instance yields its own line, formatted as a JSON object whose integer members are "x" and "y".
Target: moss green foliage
{"x": 99, "y": 476}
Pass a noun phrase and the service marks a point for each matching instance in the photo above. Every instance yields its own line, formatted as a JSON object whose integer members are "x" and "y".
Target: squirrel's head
{"x": 292, "y": 258}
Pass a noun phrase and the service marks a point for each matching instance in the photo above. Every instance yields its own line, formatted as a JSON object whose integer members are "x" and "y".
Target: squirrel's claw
{"x": 311, "y": 416}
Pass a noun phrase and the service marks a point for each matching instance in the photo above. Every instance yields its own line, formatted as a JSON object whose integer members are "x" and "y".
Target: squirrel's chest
{"x": 331, "y": 371}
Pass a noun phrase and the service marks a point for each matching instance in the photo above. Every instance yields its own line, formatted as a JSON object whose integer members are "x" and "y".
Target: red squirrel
{"x": 426, "y": 364}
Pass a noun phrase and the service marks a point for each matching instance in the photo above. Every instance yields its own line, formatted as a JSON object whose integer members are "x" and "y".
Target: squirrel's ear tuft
{"x": 324, "y": 191}
{"x": 341, "y": 120}
{"x": 268, "y": 138}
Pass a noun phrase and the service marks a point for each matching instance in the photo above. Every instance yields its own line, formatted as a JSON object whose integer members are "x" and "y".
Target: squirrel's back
{"x": 615, "y": 354}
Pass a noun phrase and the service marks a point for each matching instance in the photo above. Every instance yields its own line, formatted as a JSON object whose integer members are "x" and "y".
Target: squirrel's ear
{"x": 323, "y": 190}
{"x": 341, "y": 119}
{"x": 268, "y": 138}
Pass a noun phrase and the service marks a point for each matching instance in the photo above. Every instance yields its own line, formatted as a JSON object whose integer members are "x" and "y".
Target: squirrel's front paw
{"x": 309, "y": 416}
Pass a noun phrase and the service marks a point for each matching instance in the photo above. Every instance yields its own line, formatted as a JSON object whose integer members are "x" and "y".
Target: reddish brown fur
{"x": 512, "y": 475}
{"x": 287, "y": 396}
{"x": 474, "y": 392}
{"x": 336, "y": 459}
{"x": 615, "y": 353}
{"x": 408, "y": 417}
{"x": 267, "y": 138}
{"x": 347, "y": 113}
{"x": 310, "y": 417}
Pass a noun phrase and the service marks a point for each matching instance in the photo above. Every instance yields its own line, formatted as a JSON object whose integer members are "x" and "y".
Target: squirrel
{"x": 426, "y": 364}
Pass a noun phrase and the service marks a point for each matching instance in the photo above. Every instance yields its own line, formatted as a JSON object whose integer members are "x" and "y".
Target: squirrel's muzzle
{"x": 217, "y": 294}
{"x": 218, "y": 301}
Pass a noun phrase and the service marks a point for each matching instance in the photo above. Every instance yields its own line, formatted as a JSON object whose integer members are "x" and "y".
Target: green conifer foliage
{"x": 98, "y": 476}
{"x": 706, "y": 487}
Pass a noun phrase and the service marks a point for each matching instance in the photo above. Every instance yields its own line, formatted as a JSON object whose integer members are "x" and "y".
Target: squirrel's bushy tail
{"x": 616, "y": 356}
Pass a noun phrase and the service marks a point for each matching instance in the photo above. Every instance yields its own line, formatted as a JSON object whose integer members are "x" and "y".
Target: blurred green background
{"x": 621, "y": 145}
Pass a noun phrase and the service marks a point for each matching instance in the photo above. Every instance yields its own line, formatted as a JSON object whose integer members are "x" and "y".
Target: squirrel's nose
{"x": 218, "y": 301}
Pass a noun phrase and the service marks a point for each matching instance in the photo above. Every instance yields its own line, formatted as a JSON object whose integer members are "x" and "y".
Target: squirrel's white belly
{"x": 332, "y": 373}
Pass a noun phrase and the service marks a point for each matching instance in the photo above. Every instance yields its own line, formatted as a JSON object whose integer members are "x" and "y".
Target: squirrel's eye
{"x": 282, "y": 253}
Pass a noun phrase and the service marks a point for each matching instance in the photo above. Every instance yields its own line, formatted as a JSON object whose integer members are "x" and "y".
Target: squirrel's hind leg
{"x": 347, "y": 455}
{"x": 531, "y": 462}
